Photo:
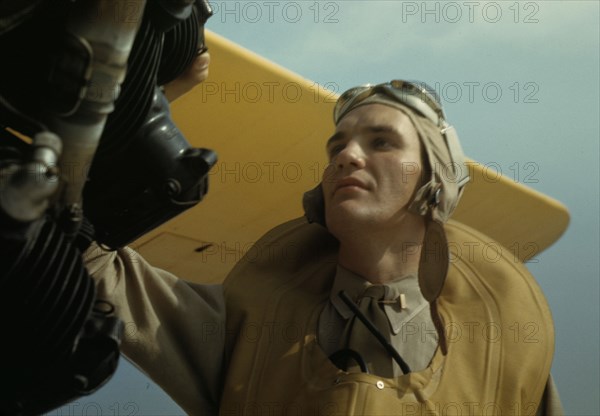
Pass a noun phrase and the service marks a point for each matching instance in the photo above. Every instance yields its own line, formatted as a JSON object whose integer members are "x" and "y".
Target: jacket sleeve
{"x": 550, "y": 404}
{"x": 174, "y": 330}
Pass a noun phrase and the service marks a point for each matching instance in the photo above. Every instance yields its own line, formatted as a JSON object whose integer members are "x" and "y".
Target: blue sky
{"x": 519, "y": 80}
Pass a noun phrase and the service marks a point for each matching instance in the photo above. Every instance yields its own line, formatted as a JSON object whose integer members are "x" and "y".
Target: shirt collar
{"x": 354, "y": 285}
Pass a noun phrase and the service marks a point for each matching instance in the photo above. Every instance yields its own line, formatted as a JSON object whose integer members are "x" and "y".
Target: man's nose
{"x": 352, "y": 155}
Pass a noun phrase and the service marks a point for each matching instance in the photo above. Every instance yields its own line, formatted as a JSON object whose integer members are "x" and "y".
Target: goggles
{"x": 418, "y": 96}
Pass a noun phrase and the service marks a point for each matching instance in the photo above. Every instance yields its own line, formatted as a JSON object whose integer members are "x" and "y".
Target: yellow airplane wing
{"x": 268, "y": 126}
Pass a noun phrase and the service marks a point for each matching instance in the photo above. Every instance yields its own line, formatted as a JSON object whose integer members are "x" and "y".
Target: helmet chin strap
{"x": 433, "y": 268}
{"x": 433, "y": 263}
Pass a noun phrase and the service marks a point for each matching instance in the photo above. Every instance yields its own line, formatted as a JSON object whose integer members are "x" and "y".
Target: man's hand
{"x": 196, "y": 73}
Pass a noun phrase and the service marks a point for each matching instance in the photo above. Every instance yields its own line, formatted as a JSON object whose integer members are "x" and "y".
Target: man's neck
{"x": 385, "y": 255}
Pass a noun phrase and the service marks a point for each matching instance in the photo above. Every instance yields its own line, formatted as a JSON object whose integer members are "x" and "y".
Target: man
{"x": 357, "y": 313}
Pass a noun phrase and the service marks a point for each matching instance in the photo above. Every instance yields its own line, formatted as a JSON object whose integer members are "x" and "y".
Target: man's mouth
{"x": 349, "y": 183}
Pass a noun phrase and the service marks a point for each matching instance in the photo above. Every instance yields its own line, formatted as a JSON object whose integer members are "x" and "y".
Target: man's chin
{"x": 347, "y": 211}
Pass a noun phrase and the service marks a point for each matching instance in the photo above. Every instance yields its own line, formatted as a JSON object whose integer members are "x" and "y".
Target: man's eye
{"x": 381, "y": 143}
{"x": 334, "y": 150}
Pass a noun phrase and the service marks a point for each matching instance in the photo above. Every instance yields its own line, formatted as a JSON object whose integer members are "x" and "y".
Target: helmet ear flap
{"x": 447, "y": 172}
{"x": 457, "y": 157}
{"x": 313, "y": 203}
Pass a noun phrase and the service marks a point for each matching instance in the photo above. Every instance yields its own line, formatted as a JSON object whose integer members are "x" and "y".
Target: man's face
{"x": 375, "y": 167}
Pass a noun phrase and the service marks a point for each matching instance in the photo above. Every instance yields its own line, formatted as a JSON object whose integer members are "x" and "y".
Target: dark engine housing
{"x": 59, "y": 341}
